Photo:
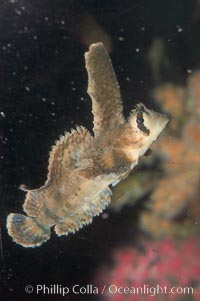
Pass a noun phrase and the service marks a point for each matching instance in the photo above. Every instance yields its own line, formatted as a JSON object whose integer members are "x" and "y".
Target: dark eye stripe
{"x": 139, "y": 115}
{"x": 140, "y": 123}
{"x": 140, "y": 120}
{"x": 143, "y": 128}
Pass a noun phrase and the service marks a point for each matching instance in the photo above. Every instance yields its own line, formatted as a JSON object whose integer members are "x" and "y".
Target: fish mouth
{"x": 163, "y": 120}
{"x": 159, "y": 123}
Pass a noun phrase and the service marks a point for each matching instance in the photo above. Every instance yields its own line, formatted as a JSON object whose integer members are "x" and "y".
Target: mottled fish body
{"x": 82, "y": 166}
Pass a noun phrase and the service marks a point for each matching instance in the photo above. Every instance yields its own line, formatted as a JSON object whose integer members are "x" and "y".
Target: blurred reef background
{"x": 151, "y": 228}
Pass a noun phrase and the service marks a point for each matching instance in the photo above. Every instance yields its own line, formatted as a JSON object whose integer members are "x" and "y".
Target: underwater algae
{"x": 179, "y": 148}
{"x": 167, "y": 184}
{"x": 82, "y": 166}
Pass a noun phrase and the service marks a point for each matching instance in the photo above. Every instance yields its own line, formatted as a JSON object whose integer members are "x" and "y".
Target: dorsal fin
{"x": 104, "y": 90}
{"x": 67, "y": 151}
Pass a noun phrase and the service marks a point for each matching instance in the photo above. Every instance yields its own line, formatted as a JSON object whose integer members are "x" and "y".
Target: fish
{"x": 83, "y": 165}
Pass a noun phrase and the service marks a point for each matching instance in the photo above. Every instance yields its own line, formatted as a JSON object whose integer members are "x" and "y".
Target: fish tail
{"x": 26, "y": 231}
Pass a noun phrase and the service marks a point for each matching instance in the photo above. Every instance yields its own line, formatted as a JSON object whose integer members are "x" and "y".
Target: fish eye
{"x": 140, "y": 120}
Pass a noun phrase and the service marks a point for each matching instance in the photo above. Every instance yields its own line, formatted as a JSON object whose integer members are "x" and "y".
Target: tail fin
{"x": 25, "y": 231}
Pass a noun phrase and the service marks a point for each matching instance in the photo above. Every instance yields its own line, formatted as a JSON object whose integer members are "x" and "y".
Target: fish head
{"x": 146, "y": 125}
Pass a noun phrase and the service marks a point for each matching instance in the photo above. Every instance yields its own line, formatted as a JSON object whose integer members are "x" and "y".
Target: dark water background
{"x": 43, "y": 85}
